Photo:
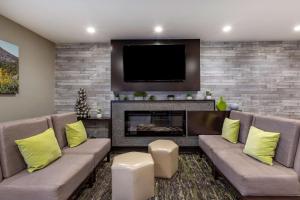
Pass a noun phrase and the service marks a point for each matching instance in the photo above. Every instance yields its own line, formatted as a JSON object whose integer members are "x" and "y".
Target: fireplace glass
{"x": 155, "y": 123}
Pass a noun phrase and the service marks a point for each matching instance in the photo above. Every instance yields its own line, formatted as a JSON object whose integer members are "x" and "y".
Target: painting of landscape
{"x": 9, "y": 68}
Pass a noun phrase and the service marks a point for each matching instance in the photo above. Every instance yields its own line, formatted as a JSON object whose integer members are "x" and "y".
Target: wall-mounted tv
{"x": 154, "y": 63}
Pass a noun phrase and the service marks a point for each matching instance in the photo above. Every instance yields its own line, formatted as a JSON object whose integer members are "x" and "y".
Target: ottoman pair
{"x": 133, "y": 173}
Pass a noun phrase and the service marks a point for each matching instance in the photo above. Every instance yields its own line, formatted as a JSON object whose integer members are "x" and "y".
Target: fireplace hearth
{"x": 155, "y": 123}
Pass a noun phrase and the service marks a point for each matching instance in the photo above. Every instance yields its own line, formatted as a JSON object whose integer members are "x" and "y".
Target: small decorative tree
{"x": 81, "y": 107}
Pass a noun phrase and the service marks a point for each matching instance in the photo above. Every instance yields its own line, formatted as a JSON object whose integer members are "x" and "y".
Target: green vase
{"x": 221, "y": 104}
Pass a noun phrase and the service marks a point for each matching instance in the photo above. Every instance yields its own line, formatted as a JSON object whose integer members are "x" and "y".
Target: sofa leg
{"x": 92, "y": 179}
{"x": 108, "y": 157}
{"x": 201, "y": 153}
{"x": 215, "y": 172}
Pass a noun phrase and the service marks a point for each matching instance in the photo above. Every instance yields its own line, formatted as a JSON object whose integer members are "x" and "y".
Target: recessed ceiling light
{"x": 227, "y": 29}
{"x": 297, "y": 28}
{"x": 90, "y": 30}
{"x": 158, "y": 29}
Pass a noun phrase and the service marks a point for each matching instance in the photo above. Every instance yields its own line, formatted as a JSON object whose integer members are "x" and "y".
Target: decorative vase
{"x": 208, "y": 97}
{"x": 99, "y": 115}
{"x": 221, "y": 104}
{"x": 233, "y": 106}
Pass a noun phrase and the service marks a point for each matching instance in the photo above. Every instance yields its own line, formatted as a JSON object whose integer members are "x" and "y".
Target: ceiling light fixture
{"x": 90, "y": 30}
{"x": 227, "y": 29}
{"x": 158, "y": 29}
{"x": 297, "y": 28}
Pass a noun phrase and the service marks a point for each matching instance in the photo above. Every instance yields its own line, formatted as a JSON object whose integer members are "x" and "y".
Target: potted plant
{"x": 117, "y": 96}
{"x": 140, "y": 95}
{"x": 189, "y": 96}
{"x": 152, "y": 98}
{"x": 171, "y": 97}
{"x": 208, "y": 94}
{"x": 125, "y": 98}
{"x": 99, "y": 113}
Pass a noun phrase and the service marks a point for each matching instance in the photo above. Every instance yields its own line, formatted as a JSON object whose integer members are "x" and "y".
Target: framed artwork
{"x": 9, "y": 68}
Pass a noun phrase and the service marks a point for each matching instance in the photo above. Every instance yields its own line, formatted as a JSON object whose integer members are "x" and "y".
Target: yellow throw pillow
{"x": 230, "y": 130}
{"x": 76, "y": 134}
{"x": 261, "y": 145}
{"x": 39, "y": 150}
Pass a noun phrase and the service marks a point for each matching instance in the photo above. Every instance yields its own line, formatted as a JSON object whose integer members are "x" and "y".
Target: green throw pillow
{"x": 40, "y": 150}
{"x": 261, "y": 145}
{"x": 230, "y": 130}
{"x": 76, "y": 134}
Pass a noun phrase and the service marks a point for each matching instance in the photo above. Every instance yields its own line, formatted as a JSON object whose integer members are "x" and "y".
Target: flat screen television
{"x": 154, "y": 63}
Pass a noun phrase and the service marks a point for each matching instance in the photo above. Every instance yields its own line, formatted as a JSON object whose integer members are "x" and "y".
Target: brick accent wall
{"x": 262, "y": 77}
{"x": 82, "y": 65}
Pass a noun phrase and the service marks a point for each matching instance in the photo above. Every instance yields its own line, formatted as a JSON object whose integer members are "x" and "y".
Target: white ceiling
{"x": 66, "y": 20}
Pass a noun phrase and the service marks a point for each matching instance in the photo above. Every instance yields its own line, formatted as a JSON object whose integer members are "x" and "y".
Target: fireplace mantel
{"x": 118, "y": 109}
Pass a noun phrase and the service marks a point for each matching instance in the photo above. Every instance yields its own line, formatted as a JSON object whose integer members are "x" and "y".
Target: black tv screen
{"x": 154, "y": 63}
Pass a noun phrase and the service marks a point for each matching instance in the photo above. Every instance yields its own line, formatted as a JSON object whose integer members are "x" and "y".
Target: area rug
{"x": 193, "y": 181}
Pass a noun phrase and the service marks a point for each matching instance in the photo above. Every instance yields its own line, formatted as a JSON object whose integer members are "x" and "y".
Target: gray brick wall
{"x": 262, "y": 77}
{"x": 82, "y": 65}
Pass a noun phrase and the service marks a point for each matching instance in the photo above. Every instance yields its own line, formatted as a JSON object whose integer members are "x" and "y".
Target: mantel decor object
{"x": 125, "y": 98}
{"x": 140, "y": 95}
{"x": 81, "y": 107}
{"x": 189, "y": 96}
{"x": 99, "y": 113}
{"x": 117, "y": 96}
{"x": 171, "y": 97}
{"x": 221, "y": 104}
{"x": 234, "y": 106}
{"x": 208, "y": 95}
{"x": 152, "y": 98}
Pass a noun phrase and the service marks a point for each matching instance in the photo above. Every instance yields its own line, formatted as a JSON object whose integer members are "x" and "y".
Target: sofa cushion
{"x": 230, "y": 130}
{"x": 59, "y": 122}
{"x": 55, "y": 182}
{"x": 261, "y": 145}
{"x": 253, "y": 178}
{"x": 97, "y": 147}
{"x": 11, "y": 159}
{"x": 245, "y": 123}
{"x": 76, "y": 134}
{"x": 210, "y": 142}
{"x": 289, "y": 136}
{"x": 39, "y": 150}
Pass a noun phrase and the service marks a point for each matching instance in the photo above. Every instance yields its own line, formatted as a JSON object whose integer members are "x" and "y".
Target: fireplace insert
{"x": 155, "y": 123}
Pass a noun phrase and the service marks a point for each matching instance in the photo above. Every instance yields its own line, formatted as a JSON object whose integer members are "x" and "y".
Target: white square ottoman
{"x": 132, "y": 176}
{"x": 165, "y": 156}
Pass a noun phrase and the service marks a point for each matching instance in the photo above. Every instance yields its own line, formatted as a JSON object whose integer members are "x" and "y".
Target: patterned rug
{"x": 193, "y": 181}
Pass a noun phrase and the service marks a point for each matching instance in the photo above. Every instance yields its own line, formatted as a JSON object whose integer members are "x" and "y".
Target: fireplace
{"x": 155, "y": 123}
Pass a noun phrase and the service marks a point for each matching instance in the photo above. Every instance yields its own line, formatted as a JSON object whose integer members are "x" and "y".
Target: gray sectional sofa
{"x": 251, "y": 178}
{"x": 60, "y": 179}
